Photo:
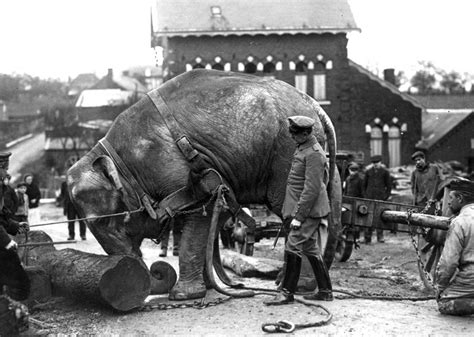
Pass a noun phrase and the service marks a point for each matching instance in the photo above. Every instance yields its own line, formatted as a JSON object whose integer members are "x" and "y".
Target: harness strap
{"x": 191, "y": 155}
{"x": 144, "y": 198}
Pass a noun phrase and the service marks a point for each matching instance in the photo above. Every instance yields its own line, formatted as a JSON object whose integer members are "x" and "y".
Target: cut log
{"x": 40, "y": 285}
{"x": 163, "y": 277}
{"x": 122, "y": 282}
{"x": 249, "y": 266}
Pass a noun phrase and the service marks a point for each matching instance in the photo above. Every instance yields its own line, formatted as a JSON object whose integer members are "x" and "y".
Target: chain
{"x": 412, "y": 232}
{"x": 201, "y": 304}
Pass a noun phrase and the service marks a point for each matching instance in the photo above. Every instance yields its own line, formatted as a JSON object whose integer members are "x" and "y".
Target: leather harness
{"x": 184, "y": 197}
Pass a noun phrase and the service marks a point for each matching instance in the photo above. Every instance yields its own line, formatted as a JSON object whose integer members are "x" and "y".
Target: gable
{"x": 436, "y": 125}
{"x": 194, "y": 18}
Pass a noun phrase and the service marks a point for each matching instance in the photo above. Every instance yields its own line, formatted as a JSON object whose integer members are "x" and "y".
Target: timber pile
{"x": 249, "y": 266}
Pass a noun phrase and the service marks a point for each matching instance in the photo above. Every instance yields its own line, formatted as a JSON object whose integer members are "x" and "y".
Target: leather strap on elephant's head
{"x": 118, "y": 170}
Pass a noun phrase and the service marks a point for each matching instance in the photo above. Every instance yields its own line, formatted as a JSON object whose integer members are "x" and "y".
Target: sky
{"x": 62, "y": 38}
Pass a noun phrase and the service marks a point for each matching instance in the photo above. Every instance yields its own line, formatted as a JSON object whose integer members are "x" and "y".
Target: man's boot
{"x": 290, "y": 281}
{"x": 322, "y": 278}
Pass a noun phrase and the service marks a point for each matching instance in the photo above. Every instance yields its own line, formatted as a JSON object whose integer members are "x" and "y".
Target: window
{"x": 319, "y": 81}
{"x": 301, "y": 79}
{"x": 394, "y": 146}
{"x": 250, "y": 68}
{"x": 376, "y": 141}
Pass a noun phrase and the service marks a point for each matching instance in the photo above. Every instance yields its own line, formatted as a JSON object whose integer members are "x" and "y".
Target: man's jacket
{"x": 455, "y": 271}
{"x": 306, "y": 194}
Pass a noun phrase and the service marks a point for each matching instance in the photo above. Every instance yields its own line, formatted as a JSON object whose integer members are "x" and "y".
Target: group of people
{"x": 375, "y": 182}
{"x": 14, "y": 213}
{"x": 306, "y": 205}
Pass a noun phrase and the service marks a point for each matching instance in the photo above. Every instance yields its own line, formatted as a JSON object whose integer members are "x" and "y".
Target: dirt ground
{"x": 389, "y": 268}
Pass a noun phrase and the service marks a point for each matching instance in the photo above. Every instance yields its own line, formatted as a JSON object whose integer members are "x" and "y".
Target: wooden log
{"x": 121, "y": 282}
{"x": 163, "y": 277}
{"x": 40, "y": 285}
{"x": 249, "y": 266}
{"x": 417, "y": 219}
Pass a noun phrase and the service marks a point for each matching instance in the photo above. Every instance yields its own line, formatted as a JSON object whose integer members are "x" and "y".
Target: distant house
{"x": 150, "y": 76}
{"x": 448, "y": 124}
{"x": 301, "y": 42}
{"x": 80, "y": 83}
{"x": 95, "y": 109}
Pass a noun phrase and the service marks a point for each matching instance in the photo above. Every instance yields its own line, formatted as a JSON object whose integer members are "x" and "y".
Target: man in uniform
{"x": 307, "y": 204}
{"x": 424, "y": 179}
{"x": 377, "y": 186}
{"x": 12, "y": 273}
{"x": 455, "y": 270}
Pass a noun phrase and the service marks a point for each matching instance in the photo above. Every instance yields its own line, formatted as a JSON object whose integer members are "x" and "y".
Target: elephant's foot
{"x": 187, "y": 291}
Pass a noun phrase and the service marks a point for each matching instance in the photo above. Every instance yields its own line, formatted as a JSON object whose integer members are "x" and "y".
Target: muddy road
{"x": 384, "y": 269}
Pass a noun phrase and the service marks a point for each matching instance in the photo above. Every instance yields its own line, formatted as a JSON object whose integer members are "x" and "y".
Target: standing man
{"x": 307, "y": 204}
{"x": 377, "y": 186}
{"x": 353, "y": 185}
{"x": 455, "y": 270}
{"x": 12, "y": 273}
{"x": 71, "y": 214}
{"x": 424, "y": 179}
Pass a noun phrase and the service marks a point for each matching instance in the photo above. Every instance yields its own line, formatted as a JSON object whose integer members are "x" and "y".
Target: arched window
{"x": 269, "y": 67}
{"x": 198, "y": 64}
{"x": 301, "y": 78}
{"x": 376, "y": 141}
{"x": 250, "y": 68}
{"x": 319, "y": 81}
{"x": 218, "y": 63}
{"x": 394, "y": 146}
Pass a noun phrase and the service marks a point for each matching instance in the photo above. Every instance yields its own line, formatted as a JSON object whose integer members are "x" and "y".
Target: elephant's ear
{"x": 105, "y": 165}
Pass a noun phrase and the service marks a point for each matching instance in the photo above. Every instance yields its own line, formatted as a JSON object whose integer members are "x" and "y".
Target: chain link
{"x": 201, "y": 304}
{"x": 423, "y": 232}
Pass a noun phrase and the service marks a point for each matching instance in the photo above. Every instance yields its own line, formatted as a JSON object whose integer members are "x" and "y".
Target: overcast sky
{"x": 61, "y": 38}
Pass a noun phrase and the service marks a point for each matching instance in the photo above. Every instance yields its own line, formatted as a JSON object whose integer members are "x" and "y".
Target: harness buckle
{"x": 170, "y": 212}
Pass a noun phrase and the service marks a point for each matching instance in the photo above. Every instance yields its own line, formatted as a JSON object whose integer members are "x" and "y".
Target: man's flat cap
{"x": 417, "y": 154}
{"x": 301, "y": 122}
{"x": 376, "y": 158}
{"x": 4, "y": 159}
{"x": 462, "y": 185}
{"x": 354, "y": 166}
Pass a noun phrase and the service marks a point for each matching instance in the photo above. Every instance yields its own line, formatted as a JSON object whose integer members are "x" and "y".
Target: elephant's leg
{"x": 192, "y": 257}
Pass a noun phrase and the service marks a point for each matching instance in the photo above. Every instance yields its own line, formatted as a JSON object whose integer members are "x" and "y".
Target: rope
{"x": 126, "y": 213}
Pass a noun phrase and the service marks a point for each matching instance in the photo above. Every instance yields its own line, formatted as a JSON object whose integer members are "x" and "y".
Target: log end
{"x": 126, "y": 286}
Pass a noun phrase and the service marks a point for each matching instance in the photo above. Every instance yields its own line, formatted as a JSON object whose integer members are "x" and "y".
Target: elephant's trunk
{"x": 218, "y": 206}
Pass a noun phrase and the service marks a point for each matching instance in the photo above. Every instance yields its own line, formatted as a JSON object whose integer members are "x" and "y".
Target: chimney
{"x": 389, "y": 75}
{"x": 110, "y": 73}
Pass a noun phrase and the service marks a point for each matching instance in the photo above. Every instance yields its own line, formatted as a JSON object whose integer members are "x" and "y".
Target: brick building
{"x": 448, "y": 124}
{"x": 301, "y": 42}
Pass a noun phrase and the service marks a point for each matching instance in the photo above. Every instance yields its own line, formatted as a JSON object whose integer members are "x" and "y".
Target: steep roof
{"x": 112, "y": 81}
{"x": 81, "y": 82}
{"x": 436, "y": 125}
{"x": 446, "y": 103}
{"x": 385, "y": 84}
{"x": 195, "y": 18}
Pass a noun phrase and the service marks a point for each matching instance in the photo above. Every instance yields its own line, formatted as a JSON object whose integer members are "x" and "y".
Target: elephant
{"x": 237, "y": 123}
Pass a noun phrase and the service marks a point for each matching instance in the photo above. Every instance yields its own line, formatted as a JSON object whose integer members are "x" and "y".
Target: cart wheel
{"x": 429, "y": 254}
{"x": 343, "y": 250}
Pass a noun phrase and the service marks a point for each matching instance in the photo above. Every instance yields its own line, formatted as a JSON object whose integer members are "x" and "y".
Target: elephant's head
{"x": 97, "y": 190}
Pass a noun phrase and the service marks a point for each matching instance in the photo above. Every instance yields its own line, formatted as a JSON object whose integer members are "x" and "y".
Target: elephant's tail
{"x": 331, "y": 142}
